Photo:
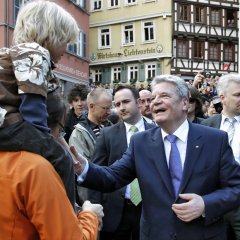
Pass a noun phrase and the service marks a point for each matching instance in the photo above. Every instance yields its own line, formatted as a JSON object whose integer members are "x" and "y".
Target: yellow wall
{"x": 128, "y": 12}
{"x": 136, "y": 14}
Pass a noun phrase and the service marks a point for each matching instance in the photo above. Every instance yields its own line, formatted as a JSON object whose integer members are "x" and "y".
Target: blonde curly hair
{"x": 45, "y": 23}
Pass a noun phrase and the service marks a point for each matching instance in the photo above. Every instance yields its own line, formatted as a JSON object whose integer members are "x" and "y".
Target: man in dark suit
{"x": 122, "y": 217}
{"x": 187, "y": 183}
{"x": 229, "y": 93}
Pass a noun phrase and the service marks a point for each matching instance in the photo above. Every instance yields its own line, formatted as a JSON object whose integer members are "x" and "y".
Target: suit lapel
{"x": 217, "y": 121}
{"x": 121, "y": 135}
{"x": 160, "y": 161}
{"x": 194, "y": 148}
{"x": 148, "y": 125}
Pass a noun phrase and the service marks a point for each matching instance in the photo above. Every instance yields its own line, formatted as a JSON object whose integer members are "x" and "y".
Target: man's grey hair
{"x": 179, "y": 83}
{"x": 224, "y": 82}
{"x": 96, "y": 94}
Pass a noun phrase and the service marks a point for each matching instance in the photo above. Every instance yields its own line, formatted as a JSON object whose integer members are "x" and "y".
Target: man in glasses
{"x": 83, "y": 137}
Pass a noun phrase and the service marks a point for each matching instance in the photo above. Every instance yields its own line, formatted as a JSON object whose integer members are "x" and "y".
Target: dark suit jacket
{"x": 110, "y": 146}
{"x": 214, "y": 121}
{"x": 210, "y": 171}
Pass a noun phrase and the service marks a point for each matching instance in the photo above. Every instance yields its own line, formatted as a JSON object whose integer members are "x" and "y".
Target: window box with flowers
{"x": 149, "y": 79}
{"x": 116, "y": 81}
{"x": 132, "y": 80}
{"x": 97, "y": 83}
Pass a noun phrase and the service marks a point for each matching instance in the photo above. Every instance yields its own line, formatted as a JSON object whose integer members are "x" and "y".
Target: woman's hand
{"x": 96, "y": 208}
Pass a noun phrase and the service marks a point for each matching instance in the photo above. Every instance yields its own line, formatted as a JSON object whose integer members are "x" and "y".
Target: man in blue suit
{"x": 187, "y": 203}
{"x": 121, "y": 216}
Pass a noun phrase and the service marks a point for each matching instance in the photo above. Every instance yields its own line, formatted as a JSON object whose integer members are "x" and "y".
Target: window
{"x": 80, "y": 3}
{"x": 130, "y": 1}
{"x": 228, "y": 54}
{"x": 213, "y": 51}
{"x": 128, "y": 36}
{"x": 97, "y": 4}
{"x": 148, "y": 31}
{"x": 231, "y": 19}
{"x": 133, "y": 72}
{"x": 83, "y": 44}
{"x": 150, "y": 71}
{"x": 114, "y": 3}
{"x": 104, "y": 38}
{"x": 199, "y": 14}
{"x": 79, "y": 47}
{"x": 183, "y": 13}
{"x": 17, "y": 5}
{"x": 198, "y": 50}
{"x": 215, "y": 17}
{"x": 116, "y": 74}
{"x": 182, "y": 49}
{"x": 98, "y": 76}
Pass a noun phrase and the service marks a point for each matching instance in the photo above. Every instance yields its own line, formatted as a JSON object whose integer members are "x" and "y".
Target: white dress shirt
{"x": 141, "y": 127}
{"x": 182, "y": 134}
{"x": 235, "y": 144}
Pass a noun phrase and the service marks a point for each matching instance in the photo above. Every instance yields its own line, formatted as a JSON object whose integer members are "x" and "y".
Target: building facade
{"x": 205, "y": 37}
{"x": 130, "y": 40}
{"x": 74, "y": 65}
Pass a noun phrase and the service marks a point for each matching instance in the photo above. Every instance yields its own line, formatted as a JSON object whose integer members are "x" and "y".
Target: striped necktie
{"x": 133, "y": 129}
{"x": 96, "y": 130}
{"x": 230, "y": 129}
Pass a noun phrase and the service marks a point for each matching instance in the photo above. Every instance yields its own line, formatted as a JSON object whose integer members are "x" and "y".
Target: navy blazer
{"x": 210, "y": 171}
{"x": 110, "y": 146}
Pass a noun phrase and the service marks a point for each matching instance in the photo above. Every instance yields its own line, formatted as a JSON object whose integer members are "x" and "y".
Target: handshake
{"x": 79, "y": 161}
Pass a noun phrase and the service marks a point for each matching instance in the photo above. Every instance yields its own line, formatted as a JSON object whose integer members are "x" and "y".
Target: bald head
{"x": 99, "y": 103}
{"x": 145, "y": 93}
{"x": 145, "y": 97}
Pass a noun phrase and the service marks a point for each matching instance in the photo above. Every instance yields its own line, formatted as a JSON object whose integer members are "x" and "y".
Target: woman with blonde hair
{"x": 43, "y": 30}
{"x": 33, "y": 202}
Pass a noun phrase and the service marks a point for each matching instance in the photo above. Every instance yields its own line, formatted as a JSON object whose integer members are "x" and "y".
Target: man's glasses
{"x": 104, "y": 108}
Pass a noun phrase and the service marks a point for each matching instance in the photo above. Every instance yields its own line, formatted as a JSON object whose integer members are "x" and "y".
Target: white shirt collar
{"x": 224, "y": 117}
{"x": 181, "y": 132}
{"x": 139, "y": 125}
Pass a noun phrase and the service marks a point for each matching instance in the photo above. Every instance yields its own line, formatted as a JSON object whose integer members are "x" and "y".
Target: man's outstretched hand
{"x": 78, "y": 160}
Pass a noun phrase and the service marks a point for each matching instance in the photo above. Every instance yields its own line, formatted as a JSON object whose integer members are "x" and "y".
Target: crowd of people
{"x": 130, "y": 163}
{"x": 200, "y": 206}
